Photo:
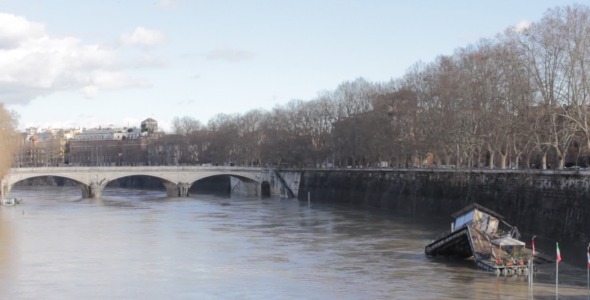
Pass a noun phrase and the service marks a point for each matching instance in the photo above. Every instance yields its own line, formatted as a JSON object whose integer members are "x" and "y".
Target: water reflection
{"x": 141, "y": 245}
{"x": 7, "y": 250}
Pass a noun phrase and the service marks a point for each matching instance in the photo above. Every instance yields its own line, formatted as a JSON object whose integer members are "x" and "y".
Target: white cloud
{"x": 89, "y": 91}
{"x": 229, "y": 54}
{"x": 109, "y": 80}
{"x": 522, "y": 26}
{"x": 34, "y": 64}
{"x": 15, "y": 29}
{"x": 143, "y": 37}
{"x": 79, "y": 121}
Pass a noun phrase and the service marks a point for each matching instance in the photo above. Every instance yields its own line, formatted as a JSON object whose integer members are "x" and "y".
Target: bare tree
{"x": 185, "y": 125}
{"x": 544, "y": 50}
{"x": 354, "y": 97}
{"x": 322, "y": 114}
{"x": 8, "y": 138}
{"x": 575, "y": 30}
{"x": 223, "y": 137}
{"x": 251, "y": 136}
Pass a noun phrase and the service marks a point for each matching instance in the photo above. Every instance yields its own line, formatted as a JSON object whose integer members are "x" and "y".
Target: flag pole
{"x": 556, "y": 280}
{"x": 532, "y": 264}
{"x": 557, "y": 271}
{"x": 588, "y": 267}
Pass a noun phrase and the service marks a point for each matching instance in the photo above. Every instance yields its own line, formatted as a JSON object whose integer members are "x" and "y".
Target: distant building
{"x": 99, "y": 134}
{"x": 149, "y": 125}
{"x": 107, "y": 152}
{"x": 134, "y": 133}
{"x": 69, "y": 133}
{"x": 106, "y": 134}
{"x": 103, "y": 146}
{"x": 127, "y": 134}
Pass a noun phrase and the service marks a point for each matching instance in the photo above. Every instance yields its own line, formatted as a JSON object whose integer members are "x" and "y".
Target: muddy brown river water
{"x": 138, "y": 244}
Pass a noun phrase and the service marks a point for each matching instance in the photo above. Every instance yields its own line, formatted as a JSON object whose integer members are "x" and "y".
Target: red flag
{"x": 533, "y": 247}
{"x": 558, "y": 253}
{"x": 588, "y": 253}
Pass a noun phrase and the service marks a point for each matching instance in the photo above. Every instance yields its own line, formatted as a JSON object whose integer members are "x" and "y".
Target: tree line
{"x": 520, "y": 100}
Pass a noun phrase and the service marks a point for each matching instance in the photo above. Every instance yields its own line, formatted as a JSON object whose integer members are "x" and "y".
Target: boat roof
{"x": 508, "y": 241}
{"x": 478, "y": 207}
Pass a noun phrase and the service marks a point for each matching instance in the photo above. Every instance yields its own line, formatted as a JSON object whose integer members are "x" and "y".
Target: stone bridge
{"x": 177, "y": 180}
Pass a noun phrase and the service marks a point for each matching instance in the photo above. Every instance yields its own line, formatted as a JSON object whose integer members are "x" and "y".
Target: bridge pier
{"x": 183, "y": 188}
{"x": 94, "y": 190}
{"x": 177, "y": 190}
{"x": 284, "y": 184}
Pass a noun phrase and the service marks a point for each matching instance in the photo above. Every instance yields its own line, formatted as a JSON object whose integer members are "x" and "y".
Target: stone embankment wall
{"x": 549, "y": 203}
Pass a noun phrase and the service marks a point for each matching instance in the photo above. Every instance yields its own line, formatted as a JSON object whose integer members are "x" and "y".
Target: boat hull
{"x": 469, "y": 242}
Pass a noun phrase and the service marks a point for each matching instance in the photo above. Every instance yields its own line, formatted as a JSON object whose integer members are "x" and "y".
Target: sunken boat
{"x": 482, "y": 235}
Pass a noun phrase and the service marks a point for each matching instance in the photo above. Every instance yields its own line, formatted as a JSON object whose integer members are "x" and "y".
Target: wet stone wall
{"x": 549, "y": 203}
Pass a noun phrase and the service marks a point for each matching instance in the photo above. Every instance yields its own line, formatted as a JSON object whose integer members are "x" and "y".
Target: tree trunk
{"x": 503, "y": 157}
{"x": 544, "y": 161}
{"x": 561, "y": 159}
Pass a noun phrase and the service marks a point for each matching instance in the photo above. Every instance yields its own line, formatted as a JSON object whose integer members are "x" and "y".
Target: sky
{"x": 73, "y": 64}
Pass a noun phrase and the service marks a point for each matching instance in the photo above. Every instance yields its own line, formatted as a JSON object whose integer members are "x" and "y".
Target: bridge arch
{"x": 7, "y": 185}
{"x": 248, "y": 177}
{"x": 237, "y": 184}
{"x": 170, "y": 186}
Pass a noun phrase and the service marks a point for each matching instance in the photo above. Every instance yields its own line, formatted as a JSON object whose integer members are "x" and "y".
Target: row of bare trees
{"x": 296, "y": 134}
{"x": 519, "y": 100}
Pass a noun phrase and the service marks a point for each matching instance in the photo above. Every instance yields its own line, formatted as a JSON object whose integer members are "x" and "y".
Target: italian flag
{"x": 558, "y": 253}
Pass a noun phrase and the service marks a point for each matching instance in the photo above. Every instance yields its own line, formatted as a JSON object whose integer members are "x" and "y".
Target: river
{"x": 138, "y": 244}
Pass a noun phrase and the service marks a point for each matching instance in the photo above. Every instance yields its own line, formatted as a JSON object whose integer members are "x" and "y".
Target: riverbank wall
{"x": 552, "y": 204}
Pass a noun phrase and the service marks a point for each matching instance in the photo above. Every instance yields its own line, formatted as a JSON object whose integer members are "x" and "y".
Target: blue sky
{"x": 91, "y": 63}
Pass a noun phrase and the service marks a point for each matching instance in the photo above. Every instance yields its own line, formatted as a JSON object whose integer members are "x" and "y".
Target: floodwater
{"x": 138, "y": 244}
